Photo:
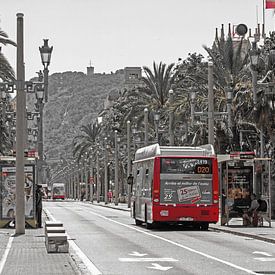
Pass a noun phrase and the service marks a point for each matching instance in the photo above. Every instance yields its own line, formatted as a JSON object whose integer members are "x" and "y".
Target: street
{"x": 115, "y": 245}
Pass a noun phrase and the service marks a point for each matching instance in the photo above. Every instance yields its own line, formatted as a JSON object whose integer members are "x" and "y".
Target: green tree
{"x": 6, "y": 70}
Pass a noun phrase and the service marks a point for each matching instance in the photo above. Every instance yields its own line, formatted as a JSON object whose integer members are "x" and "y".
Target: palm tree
{"x": 158, "y": 82}
{"x": 85, "y": 141}
{"x": 6, "y": 71}
{"x": 231, "y": 72}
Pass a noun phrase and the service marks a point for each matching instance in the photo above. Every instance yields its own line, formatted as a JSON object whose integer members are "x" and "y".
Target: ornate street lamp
{"x": 254, "y": 55}
{"x": 46, "y": 52}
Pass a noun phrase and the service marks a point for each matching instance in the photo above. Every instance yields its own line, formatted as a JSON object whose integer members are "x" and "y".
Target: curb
{"x": 110, "y": 206}
{"x": 238, "y": 233}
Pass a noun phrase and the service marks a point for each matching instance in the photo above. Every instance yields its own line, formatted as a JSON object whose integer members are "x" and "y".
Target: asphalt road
{"x": 115, "y": 245}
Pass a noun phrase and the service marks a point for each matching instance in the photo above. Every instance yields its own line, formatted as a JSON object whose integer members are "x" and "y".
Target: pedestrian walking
{"x": 38, "y": 200}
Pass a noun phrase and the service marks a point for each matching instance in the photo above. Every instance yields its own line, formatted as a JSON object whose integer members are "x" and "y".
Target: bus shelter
{"x": 242, "y": 174}
{"x": 8, "y": 192}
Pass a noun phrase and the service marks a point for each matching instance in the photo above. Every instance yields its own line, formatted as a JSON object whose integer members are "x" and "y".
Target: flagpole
{"x": 263, "y": 34}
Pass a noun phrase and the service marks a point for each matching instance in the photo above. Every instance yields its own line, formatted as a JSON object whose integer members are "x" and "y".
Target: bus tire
{"x": 204, "y": 226}
{"x": 138, "y": 222}
{"x": 148, "y": 225}
{"x": 134, "y": 210}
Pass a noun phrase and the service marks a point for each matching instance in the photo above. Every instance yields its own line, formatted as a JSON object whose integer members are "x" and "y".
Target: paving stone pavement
{"x": 28, "y": 255}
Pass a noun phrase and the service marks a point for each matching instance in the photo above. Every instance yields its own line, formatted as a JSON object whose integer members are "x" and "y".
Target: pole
{"x": 129, "y": 160}
{"x": 262, "y": 141}
{"x": 145, "y": 126}
{"x": 171, "y": 118}
{"x": 263, "y": 34}
{"x": 254, "y": 86}
{"x": 97, "y": 177}
{"x": 86, "y": 181}
{"x": 192, "y": 106}
{"x": 106, "y": 172}
{"x": 116, "y": 169}
{"x": 229, "y": 103}
{"x": 46, "y": 78}
{"x": 20, "y": 130}
{"x": 40, "y": 141}
{"x": 92, "y": 183}
{"x": 210, "y": 104}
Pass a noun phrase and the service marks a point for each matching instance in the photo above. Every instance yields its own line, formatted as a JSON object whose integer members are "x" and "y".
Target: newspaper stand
{"x": 242, "y": 174}
{"x": 8, "y": 191}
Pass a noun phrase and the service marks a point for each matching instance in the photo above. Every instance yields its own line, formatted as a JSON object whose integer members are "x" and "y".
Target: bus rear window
{"x": 186, "y": 166}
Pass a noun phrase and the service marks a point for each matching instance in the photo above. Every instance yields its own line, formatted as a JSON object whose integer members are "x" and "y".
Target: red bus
{"x": 58, "y": 191}
{"x": 175, "y": 185}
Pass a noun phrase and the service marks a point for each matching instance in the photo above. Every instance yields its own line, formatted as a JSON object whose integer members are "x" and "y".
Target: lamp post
{"x": 97, "y": 176}
{"x": 46, "y": 52}
{"x": 210, "y": 104}
{"x": 20, "y": 130}
{"x": 116, "y": 168}
{"x": 156, "y": 120}
{"x": 229, "y": 104}
{"x": 171, "y": 118}
{"x": 145, "y": 126}
{"x": 106, "y": 171}
{"x": 254, "y": 61}
{"x": 129, "y": 168}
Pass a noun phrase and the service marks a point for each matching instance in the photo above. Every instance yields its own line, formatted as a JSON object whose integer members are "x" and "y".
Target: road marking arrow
{"x": 262, "y": 253}
{"x": 135, "y": 253}
{"x": 147, "y": 260}
{"x": 159, "y": 267}
{"x": 265, "y": 259}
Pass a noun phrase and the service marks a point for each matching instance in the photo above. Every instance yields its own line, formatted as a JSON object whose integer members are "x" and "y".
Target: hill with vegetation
{"x": 75, "y": 99}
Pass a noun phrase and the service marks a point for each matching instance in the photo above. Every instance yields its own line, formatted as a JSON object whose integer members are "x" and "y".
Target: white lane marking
{"x": 135, "y": 253}
{"x": 147, "y": 260}
{"x": 262, "y": 253}
{"x": 265, "y": 259}
{"x": 6, "y": 253}
{"x": 177, "y": 244}
{"x": 159, "y": 267}
{"x": 89, "y": 265}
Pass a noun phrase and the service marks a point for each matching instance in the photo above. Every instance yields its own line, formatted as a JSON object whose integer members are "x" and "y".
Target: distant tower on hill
{"x": 90, "y": 70}
{"x": 132, "y": 77}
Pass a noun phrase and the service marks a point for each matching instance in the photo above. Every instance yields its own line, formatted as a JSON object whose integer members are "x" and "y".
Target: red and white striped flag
{"x": 270, "y": 4}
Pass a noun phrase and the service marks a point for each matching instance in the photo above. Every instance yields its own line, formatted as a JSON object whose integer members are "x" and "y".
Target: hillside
{"x": 75, "y": 99}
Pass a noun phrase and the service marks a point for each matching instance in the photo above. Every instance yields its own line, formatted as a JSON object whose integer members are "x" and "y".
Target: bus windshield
{"x": 186, "y": 181}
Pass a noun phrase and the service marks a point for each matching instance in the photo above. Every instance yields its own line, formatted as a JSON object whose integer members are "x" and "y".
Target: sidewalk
{"x": 263, "y": 233}
{"x": 27, "y": 254}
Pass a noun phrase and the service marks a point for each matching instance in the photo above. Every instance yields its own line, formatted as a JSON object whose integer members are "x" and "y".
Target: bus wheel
{"x": 150, "y": 225}
{"x": 138, "y": 222}
{"x": 205, "y": 226}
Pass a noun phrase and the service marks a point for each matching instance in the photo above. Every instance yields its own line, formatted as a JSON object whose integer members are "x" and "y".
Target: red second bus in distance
{"x": 175, "y": 185}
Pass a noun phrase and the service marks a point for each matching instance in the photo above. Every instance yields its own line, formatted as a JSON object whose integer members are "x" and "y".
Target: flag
{"x": 270, "y": 4}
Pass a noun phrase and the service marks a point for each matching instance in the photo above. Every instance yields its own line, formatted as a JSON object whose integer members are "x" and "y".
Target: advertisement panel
{"x": 240, "y": 182}
{"x": 186, "y": 191}
{"x": 8, "y": 191}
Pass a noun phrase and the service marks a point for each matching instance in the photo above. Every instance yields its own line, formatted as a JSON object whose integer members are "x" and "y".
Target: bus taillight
{"x": 215, "y": 197}
{"x": 156, "y": 196}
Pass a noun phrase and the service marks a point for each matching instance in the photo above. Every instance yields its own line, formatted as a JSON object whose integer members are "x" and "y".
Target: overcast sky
{"x": 113, "y": 34}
